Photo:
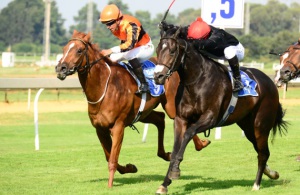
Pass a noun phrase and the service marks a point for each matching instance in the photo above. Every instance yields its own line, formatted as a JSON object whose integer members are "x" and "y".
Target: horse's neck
{"x": 95, "y": 80}
{"x": 198, "y": 68}
{"x": 193, "y": 68}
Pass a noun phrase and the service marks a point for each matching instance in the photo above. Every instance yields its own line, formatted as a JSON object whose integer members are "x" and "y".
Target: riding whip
{"x": 166, "y": 13}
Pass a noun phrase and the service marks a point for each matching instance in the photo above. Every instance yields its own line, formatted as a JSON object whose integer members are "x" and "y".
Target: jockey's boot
{"x": 138, "y": 71}
{"x": 235, "y": 68}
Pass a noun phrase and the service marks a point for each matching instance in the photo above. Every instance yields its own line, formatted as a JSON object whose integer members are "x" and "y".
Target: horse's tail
{"x": 280, "y": 124}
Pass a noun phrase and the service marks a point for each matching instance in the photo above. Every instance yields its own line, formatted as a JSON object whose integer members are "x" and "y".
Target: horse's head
{"x": 75, "y": 55}
{"x": 289, "y": 67}
{"x": 171, "y": 52}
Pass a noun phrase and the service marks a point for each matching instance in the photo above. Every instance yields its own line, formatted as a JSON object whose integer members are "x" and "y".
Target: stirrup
{"x": 144, "y": 88}
{"x": 238, "y": 85}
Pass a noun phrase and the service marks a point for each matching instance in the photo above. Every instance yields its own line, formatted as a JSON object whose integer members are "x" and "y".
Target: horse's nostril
{"x": 287, "y": 72}
{"x": 161, "y": 76}
{"x": 63, "y": 69}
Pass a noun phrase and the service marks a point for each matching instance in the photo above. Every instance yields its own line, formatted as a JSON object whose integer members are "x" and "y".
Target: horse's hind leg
{"x": 158, "y": 119}
{"x": 258, "y": 136}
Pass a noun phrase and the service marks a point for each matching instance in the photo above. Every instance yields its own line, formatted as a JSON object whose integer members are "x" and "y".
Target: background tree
{"x": 273, "y": 26}
{"x": 22, "y": 21}
{"x": 81, "y": 19}
{"x": 187, "y": 16}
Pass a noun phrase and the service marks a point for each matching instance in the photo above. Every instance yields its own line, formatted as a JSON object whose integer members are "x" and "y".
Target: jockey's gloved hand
{"x": 162, "y": 25}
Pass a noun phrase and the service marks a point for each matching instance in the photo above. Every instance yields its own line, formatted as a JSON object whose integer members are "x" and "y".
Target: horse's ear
{"x": 299, "y": 41}
{"x": 75, "y": 32}
{"x": 87, "y": 37}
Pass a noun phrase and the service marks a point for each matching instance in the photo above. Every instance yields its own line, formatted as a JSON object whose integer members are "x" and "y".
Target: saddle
{"x": 148, "y": 70}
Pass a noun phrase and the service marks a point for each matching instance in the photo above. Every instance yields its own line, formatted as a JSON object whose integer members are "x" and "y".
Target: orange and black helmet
{"x": 109, "y": 13}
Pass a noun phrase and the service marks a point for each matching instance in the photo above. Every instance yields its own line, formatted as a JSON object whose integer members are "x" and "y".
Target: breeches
{"x": 231, "y": 51}
{"x": 142, "y": 53}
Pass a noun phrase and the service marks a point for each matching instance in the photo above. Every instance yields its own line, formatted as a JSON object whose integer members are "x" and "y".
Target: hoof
{"x": 174, "y": 174}
{"x": 255, "y": 187}
{"x": 161, "y": 190}
{"x": 165, "y": 156}
{"x": 203, "y": 144}
{"x": 270, "y": 173}
{"x": 131, "y": 168}
{"x": 206, "y": 142}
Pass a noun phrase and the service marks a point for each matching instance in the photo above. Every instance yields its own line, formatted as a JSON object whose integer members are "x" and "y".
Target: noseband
{"x": 79, "y": 67}
{"x": 171, "y": 69}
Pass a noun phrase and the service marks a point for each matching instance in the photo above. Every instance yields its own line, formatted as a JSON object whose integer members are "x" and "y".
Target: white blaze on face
{"x": 164, "y": 45}
{"x": 158, "y": 68}
{"x": 70, "y": 47}
{"x": 280, "y": 66}
{"x": 283, "y": 58}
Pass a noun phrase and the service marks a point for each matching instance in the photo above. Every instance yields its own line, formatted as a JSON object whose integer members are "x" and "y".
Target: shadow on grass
{"x": 140, "y": 179}
{"x": 216, "y": 184}
{"x": 206, "y": 183}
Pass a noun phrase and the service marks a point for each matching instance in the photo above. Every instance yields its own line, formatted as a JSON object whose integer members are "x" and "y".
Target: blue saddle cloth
{"x": 148, "y": 69}
{"x": 249, "y": 85}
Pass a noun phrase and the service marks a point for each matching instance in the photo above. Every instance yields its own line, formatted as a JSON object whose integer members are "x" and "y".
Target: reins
{"x": 182, "y": 60}
{"x": 88, "y": 66}
{"x": 83, "y": 69}
{"x": 171, "y": 68}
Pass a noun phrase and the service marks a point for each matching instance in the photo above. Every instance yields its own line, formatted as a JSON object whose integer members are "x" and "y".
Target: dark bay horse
{"x": 289, "y": 67}
{"x": 202, "y": 99}
{"x": 112, "y": 103}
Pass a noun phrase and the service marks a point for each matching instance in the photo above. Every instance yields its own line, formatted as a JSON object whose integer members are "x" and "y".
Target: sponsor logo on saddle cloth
{"x": 148, "y": 69}
{"x": 249, "y": 85}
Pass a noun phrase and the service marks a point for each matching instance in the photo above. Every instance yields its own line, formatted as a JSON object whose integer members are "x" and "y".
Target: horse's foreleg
{"x": 117, "y": 134}
{"x": 163, "y": 188}
{"x": 199, "y": 126}
{"x": 106, "y": 142}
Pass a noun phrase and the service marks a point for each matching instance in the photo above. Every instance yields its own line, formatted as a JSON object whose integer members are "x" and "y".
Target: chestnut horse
{"x": 203, "y": 96}
{"x": 289, "y": 67}
{"x": 112, "y": 103}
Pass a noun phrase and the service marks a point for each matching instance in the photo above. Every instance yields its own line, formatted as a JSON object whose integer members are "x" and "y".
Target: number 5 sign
{"x": 223, "y": 13}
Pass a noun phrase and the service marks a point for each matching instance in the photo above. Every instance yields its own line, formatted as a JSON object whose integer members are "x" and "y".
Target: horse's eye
{"x": 79, "y": 51}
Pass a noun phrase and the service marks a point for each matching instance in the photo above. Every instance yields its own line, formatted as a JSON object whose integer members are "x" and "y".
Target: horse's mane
{"x": 94, "y": 46}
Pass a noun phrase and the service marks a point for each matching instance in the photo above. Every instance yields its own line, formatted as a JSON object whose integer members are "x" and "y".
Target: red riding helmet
{"x": 198, "y": 29}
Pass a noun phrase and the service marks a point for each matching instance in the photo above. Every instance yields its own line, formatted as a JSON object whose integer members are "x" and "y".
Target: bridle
{"x": 171, "y": 68}
{"x": 297, "y": 70}
{"x": 82, "y": 69}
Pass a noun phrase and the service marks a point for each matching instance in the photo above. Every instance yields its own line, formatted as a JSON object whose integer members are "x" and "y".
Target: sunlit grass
{"x": 71, "y": 160}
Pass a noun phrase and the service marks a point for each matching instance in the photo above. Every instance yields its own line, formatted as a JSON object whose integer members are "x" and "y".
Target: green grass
{"x": 46, "y": 95}
{"x": 27, "y": 71}
{"x": 71, "y": 160}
